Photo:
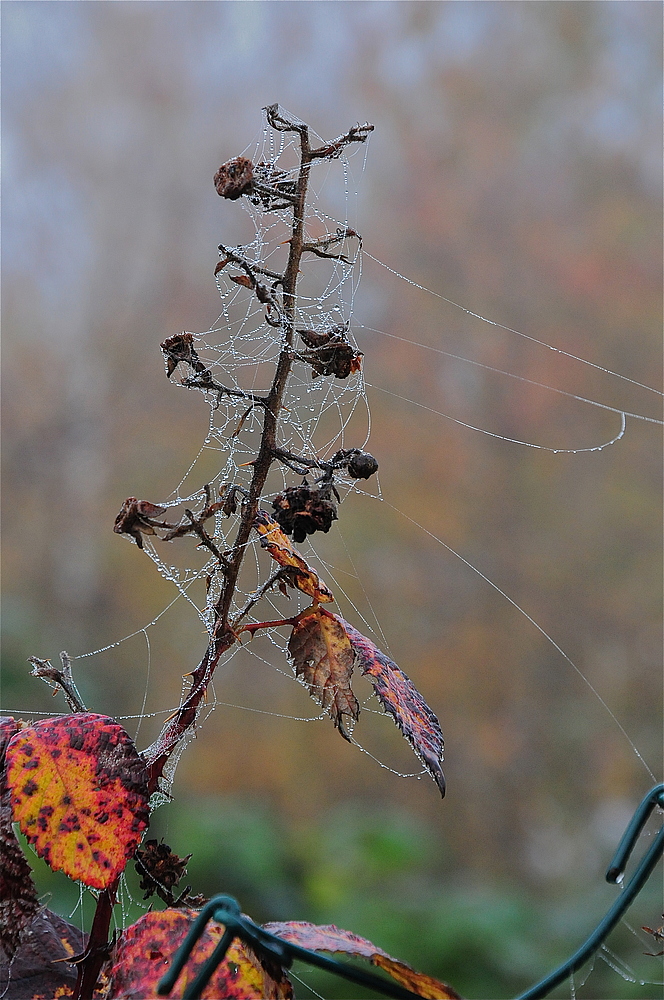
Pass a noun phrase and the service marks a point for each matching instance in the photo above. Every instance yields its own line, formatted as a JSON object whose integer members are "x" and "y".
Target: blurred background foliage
{"x": 516, "y": 168}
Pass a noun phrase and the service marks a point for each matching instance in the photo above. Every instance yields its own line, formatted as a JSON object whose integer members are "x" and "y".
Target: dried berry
{"x": 362, "y": 465}
{"x": 301, "y": 511}
{"x": 159, "y": 866}
{"x": 235, "y": 178}
{"x": 160, "y": 870}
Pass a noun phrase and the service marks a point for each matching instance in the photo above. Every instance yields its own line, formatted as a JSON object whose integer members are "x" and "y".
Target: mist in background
{"x": 515, "y": 168}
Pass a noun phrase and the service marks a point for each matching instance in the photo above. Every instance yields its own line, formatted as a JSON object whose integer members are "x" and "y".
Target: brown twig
{"x": 223, "y": 633}
{"x": 196, "y": 527}
{"x": 283, "y": 573}
{"x": 59, "y": 679}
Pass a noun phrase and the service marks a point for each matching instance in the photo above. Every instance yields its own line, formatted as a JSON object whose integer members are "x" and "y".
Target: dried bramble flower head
{"x": 160, "y": 865}
{"x": 302, "y": 510}
{"x": 138, "y": 516}
{"x": 178, "y": 348}
{"x": 329, "y": 352}
{"x": 235, "y": 178}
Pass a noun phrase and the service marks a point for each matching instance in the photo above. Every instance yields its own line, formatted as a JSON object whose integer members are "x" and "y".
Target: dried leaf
{"x": 242, "y": 279}
{"x": 280, "y": 548}
{"x": 144, "y": 952}
{"x": 323, "y": 659}
{"x": 38, "y": 970}
{"x": 331, "y": 938}
{"x": 399, "y": 696}
{"x": 178, "y": 348}
{"x": 18, "y": 896}
{"x": 138, "y": 516}
{"x": 79, "y": 792}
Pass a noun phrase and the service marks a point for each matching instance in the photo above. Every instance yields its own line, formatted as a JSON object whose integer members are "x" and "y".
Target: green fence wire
{"x": 226, "y": 911}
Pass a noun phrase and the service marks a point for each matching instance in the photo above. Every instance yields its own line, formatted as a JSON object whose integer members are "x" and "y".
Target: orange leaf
{"x": 323, "y": 659}
{"x": 280, "y": 548}
{"x": 331, "y": 938}
{"x": 399, "y": 696}
{"x": 79, "y": 793}
{"x": 145, "y": 950}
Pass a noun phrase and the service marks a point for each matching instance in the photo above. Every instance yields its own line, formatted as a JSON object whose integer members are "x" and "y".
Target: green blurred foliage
{"x": 381, "y": 874}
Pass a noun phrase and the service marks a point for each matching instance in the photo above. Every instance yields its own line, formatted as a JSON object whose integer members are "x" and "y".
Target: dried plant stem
{"x": 223, "y": 635}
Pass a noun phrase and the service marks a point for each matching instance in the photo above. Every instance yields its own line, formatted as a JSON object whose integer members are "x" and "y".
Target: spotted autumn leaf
{"x": 327, "y": 937}
{"x": 280, "y": 548}
{"x": 79, "y": 793}
{"x": 144, "y": 952}
{"x": 323, "y": 660}
{"x": 399, "y": 696}
{"x": 18, "y": 896}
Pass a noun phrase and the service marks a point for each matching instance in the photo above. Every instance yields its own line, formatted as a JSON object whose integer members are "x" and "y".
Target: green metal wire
{"x": 225, "y": 910}
{"x": 615, "y": 872}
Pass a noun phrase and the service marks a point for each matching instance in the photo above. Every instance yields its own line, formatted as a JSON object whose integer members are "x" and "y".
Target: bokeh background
{"x": 515, "y": 168}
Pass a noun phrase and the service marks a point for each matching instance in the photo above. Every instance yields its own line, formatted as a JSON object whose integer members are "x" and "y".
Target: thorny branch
{"x": 223, "y": 635}
{"x": 327, "y": 353}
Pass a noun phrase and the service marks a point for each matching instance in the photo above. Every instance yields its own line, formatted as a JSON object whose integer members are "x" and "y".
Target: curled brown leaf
{"x": 323, "y": 659}
{"x": 280, "y": 548}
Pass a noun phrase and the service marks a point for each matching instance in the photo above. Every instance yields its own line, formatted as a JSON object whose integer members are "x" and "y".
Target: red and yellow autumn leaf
{"x": 79, "y": 793}
{"x": 330, "y": 938}
{"x": 399, "y": 696}
{"x": 280, "y": 548}
{"x": 323, "y": 659}
{"x": 145, "y": 950}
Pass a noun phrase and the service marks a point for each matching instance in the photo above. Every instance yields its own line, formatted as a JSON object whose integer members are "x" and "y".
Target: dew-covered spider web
{"x": 322, "y": 414}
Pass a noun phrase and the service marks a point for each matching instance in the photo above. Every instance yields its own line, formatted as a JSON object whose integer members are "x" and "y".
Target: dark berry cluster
{"x": 303, "y": 510}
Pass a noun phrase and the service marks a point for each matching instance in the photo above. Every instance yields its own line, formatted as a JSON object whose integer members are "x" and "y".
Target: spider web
{"x": 321, "y": 415}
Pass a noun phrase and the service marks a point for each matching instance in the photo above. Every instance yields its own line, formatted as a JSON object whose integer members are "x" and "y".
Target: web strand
{"x": 508, "y": 329}
{"x": 532, "y": 621}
